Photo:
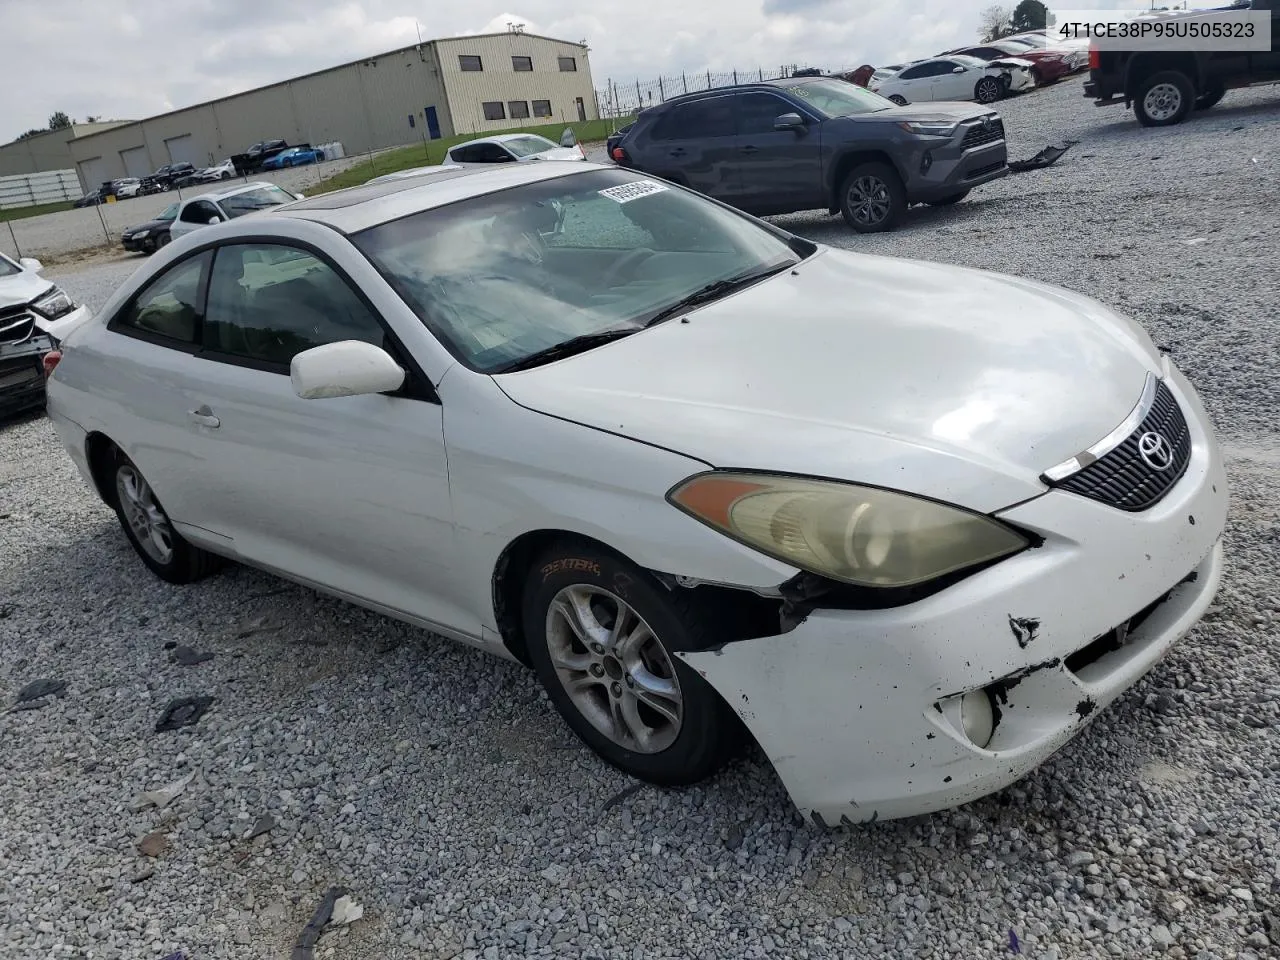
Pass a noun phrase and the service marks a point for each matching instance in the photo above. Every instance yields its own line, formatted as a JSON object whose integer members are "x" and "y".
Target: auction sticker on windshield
{"x": 627, "y": 192}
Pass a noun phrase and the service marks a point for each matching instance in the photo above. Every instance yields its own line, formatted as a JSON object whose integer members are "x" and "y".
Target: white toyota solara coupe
{"x": 707, "y": 478}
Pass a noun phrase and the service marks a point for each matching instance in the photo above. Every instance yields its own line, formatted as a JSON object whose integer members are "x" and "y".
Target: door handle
{"x": 204, "y": 416}
{"x": 750, "y": 149}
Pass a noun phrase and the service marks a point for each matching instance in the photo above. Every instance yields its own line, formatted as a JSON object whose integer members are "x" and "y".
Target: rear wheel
{"x": 600, "y": 633}
{"x": 1163, "y": 99}
{"x": 872, "y": 198}
{"x": 988, "y": 90}
{"x": 148, "y": 528}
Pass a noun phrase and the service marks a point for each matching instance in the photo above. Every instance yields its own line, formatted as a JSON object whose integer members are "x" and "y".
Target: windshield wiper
{"x": 568, "y": 348}
{"x": 714, "y": 291}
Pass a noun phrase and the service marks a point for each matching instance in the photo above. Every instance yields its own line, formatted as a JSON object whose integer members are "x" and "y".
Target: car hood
{"x": 22, "y": 288}
{"x": 559, "y": 153}
{"x": 150, "y": 225}
{"x": 952, "y": 383}
{"x": 933, "y": 110}
{"x": 1010, "y": 62}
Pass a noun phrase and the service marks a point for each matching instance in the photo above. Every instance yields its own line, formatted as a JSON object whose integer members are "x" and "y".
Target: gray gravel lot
{"x": 440, "y": 788}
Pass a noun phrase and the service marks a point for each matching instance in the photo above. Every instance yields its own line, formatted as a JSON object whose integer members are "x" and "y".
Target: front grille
{"x": 1122, "y": 478}
{"x": 19, "y": 373}
{"x": 979, "y": 135}
{"x": 16, "y": 325}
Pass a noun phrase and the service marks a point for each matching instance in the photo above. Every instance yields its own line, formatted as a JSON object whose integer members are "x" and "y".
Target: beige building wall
{"x": 46, "y": 151}
{"x": 500, "y": 82}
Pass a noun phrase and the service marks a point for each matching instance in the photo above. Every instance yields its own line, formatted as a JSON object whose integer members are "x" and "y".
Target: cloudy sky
{"x": 134, "y": 58}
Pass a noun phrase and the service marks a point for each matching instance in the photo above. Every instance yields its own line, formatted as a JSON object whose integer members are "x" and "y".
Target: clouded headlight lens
{"x": 55, "y": 303}
{"x": 860, "y": 535}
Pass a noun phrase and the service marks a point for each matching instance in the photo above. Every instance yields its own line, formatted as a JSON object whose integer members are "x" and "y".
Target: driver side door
{"x": 949, "y": 85}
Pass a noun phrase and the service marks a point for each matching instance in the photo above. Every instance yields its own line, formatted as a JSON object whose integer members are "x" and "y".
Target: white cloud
{"x": 134, "y": 58}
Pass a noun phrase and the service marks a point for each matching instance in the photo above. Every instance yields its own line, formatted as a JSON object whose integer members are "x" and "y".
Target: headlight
{"x": 55, "y": 303}
{"x": 860, "y": 535}
{"x": 930, "y": 128}
{"x": 139, "y": 234}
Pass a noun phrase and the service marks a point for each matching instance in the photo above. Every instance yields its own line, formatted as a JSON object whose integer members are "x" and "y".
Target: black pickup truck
{"x": 252, "y": 159}
{"x": 1163, "y": 87}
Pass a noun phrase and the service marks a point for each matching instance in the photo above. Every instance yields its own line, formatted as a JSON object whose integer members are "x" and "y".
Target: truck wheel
{"x": 1163, "y": 99}
{"x": 1211, "y": 96}
{"x": 988, "y": 90}
{"x": 872, "y": 198}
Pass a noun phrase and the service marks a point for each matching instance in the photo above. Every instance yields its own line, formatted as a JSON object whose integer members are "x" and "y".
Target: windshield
{"x": 500, "y": 277}
{"x": 835, "y": 98}
{"x": 237, "y": 205}
{"x": 168, "y": 213}
{"x": 528, "y": 146}
{"x": 7, "y": 267}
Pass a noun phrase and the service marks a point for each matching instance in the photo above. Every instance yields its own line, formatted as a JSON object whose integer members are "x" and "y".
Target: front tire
{"x": 872, "y": 198}
{"x": 165, "y": 551}
{"x": 600, "y": 633}
{"x": 988, "y": 90}
{"x": 899, "y": 99}
{"x": 1163, "y": 99}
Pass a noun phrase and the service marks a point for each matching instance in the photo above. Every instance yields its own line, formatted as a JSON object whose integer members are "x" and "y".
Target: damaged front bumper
{"x": 22, "y": 374}
{"x": 851, "y": 706}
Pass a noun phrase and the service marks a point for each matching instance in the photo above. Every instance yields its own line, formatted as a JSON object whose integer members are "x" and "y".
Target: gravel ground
{"x": 439, "y": 787}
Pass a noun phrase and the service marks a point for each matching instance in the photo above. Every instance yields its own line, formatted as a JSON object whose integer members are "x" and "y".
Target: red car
{"x": 1049, "y": 66}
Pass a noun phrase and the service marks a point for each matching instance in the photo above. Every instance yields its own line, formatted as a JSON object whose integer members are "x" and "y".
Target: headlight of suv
{"x": 54, "y": 304}
{"x": 930, "y": 128}
{"x": 860, "y": 535}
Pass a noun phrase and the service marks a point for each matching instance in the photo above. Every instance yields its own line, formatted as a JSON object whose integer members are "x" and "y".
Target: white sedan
{"x": 218, "y": 206}
{"x": 514, "y": 148}
{"x": 956, "y": 77}
{"x": 703, "y": 475}
{"x": 35, "y": 314}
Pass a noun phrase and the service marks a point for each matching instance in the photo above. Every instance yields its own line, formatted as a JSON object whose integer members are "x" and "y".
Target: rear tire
{"x": 147, "y": 527}
{"x": 615, "y": 682}
{"x": 988, "y": 90}
{"x": 1164, "y": 99}
{"x": 872, "y": 198}
{"x": 948, "y": 201}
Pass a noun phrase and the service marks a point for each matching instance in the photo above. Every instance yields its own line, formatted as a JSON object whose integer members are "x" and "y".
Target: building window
{"x": 568, "y": 64}
{"x": 519, "y": 109}
{"x": 469, "y": 64}
{"x": 522, "y": 64}
{"x": 494, "y": 110}
{"x": 411, "y": 119}
{"x": 542, "y": 108}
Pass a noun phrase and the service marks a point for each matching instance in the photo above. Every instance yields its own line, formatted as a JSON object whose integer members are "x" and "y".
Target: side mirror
{"x": 789, "y": 121}
{"x": 568, "y": 138}
{"x": 958, "y": 69}
{"x": 348, "y": 368}
{"x": 214, "y": 219}
{"x": 32, "y": 264}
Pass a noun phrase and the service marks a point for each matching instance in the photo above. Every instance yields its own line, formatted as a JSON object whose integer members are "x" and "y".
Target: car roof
{"x": 500, "y": 138}
{"x": 738, "y": 88}
{"x": 233, "y": 191}
{"x": 357, "y": 208}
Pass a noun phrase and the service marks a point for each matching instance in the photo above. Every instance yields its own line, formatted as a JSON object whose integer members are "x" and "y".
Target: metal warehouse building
{"x": 49, "y": 150}
{"x": 435, "y": 89}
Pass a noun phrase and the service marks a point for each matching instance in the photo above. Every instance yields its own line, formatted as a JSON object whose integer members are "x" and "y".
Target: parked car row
{"x": 708, "y": 478}
{"x": 203, "y": 209}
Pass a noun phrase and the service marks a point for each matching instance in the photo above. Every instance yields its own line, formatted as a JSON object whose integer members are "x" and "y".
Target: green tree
{"x": 59, "y": 121}
{"x": 1029, "y": 15}
{"x": 31, "y": 133}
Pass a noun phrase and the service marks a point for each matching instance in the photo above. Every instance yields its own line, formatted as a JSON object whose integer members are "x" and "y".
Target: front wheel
{"x": 146, "y": 525}
{"x": 1163, "y": 99}
{"x": 988, "y": 90}
{"x": 600, "y": 634}
{"x": 899, "y": 99}
{"x": 872, "y": 198}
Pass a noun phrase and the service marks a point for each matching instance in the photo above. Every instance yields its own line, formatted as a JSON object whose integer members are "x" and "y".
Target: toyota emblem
{"x": 1155, "y": 451}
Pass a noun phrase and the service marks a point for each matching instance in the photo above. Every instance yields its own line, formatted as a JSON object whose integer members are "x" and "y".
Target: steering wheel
{"x": 626, "y": 261}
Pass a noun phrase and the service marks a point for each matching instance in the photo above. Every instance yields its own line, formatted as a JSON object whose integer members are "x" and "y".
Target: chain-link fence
{"x": 623, "y": 98}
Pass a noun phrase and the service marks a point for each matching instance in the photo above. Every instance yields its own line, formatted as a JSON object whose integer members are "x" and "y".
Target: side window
{"x": 492, "y": 153}
{"x": 198, "y": 211}
{"x": 916, "y": 72}
{"x": 713, "y": 117}
{"x": 268, "y": 302}
{"x": 169, "y": 306}
{"x": 758, "y": 111}
{"x": 943, "y": 67}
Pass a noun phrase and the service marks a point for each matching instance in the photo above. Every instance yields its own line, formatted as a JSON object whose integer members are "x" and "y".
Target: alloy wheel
{"x": 146, "y": 518}
{"x": 869, "y": 200}
{"x": 614, "y": 669}
{"x": 1162, "y": 101}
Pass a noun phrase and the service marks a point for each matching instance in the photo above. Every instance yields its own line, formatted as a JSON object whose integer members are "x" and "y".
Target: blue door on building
{"x": 433, "y": 123}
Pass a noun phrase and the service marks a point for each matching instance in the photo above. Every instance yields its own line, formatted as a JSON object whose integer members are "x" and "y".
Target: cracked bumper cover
{"x": 843, "y": 705}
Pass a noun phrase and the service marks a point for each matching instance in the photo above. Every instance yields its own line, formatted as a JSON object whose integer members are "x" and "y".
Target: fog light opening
{"x": 977, "y": 718}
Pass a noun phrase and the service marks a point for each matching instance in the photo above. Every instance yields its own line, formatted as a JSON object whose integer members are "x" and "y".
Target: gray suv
{"x": 812, "y": 143}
